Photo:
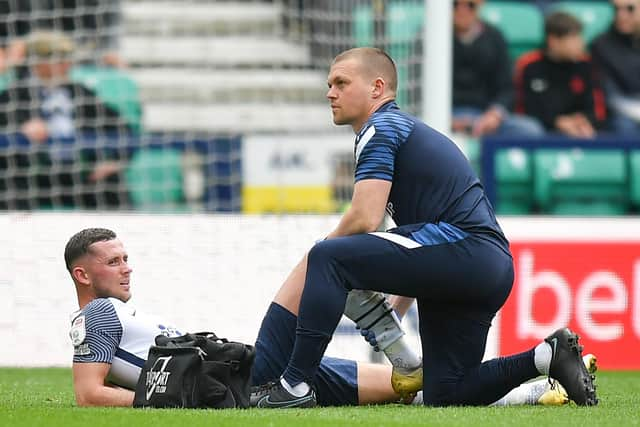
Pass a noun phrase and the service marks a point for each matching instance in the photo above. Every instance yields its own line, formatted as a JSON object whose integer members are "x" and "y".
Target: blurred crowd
{"x": 564, "y": 87}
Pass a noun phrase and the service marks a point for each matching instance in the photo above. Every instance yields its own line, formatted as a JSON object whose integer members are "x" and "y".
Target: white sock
{"x": 297, "y": 390}
{"x": 525, "y": 394}
{"x": 418, "y": 400}
{"x": 401, "y": 355}
{"x": 542, "y": 357}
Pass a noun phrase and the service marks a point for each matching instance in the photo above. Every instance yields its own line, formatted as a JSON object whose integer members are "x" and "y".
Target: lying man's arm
{"x": 91, "y": 389}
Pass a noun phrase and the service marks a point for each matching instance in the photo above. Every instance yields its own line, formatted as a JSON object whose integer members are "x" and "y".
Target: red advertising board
{"x": 593, "y": 287}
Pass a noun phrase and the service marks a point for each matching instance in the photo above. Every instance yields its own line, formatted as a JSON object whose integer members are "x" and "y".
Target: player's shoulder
{"x": 99, "y": 306}
{"x": 389, "y": 115}
{"x": 99, "y": 313}
{"x": 390, "y": 122}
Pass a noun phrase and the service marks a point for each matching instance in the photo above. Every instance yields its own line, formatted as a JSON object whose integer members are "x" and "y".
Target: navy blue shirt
{"x": 432, "y": 181}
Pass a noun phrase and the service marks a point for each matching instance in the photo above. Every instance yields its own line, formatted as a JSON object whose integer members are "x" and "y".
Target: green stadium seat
{"x": 596, "y": 17}
{"x": 471, "y": 148}
{"x": 5, "y": 79}
{"x": 581, "y": 182}
{"x": 154, "y": 179}
{"x": 115, "y": 88}
{"x": 405, "y": 21}
{"x": 521, "y": 23}
{"x": 363, "y": 26}
{"x": 514, "y": 182}
{"x": 634, "y": 178}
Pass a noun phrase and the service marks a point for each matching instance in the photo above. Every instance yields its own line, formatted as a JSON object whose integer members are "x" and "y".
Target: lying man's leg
{"x": 338, "y": 382}
{"x": 376, "y": 319}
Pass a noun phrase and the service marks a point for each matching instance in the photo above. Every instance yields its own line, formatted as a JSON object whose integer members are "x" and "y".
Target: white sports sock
{"x": 542, "y": 357}
{"x": 297, "y": 390}
{"x": 401, "y": 355}
{"x": 525, "y": 394}
{"x": 418, "y": 400}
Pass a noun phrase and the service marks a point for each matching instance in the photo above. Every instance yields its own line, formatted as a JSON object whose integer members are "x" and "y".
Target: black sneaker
{"x": 568, "y": 367}
{"x": 274, "y": 395}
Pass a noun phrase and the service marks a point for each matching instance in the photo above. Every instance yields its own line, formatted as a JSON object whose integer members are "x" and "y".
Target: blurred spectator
{"x": 617, "y": 53}
{"x": 558, "y": 85}
{"x": 91, "y": 24}
{"x": 482, "y": 83}
{"x": 43, "y": 105}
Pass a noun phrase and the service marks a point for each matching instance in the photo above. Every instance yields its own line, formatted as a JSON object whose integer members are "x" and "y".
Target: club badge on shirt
{"x": 78, "y": 331}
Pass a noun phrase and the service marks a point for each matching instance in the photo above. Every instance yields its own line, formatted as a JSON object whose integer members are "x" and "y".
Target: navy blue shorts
{"x": 336, "y": 382}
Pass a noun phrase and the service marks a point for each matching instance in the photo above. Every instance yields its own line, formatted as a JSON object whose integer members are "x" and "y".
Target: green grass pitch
{"x": 44, "y": 397}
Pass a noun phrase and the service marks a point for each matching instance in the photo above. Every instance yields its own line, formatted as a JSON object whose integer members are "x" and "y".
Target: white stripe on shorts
{"x": 396, "y": 238}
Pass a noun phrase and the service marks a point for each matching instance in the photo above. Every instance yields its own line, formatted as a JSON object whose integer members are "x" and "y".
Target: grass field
{"x": 44, "y": 397}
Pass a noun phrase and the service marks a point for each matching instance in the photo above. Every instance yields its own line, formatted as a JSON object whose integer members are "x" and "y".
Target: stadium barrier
{"x": 221, "y": 271}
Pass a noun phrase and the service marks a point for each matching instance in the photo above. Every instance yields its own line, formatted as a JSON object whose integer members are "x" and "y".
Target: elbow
{"x": 87, "y": 398}
{"x": 82, "y": 400}
{"x": 372, "y": 224}
{"x": 367, "y": 222}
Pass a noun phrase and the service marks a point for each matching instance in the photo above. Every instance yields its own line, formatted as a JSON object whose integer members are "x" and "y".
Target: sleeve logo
{"x": 78, "y": 331}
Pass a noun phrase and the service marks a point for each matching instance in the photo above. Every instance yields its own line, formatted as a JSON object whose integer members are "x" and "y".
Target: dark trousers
{"x": 459, "y": 286}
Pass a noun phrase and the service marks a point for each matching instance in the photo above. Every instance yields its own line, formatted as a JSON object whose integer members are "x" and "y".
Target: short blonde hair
{"x": 375, "y": 62}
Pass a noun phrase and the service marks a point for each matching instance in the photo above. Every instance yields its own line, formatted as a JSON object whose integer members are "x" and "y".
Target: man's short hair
{"x": 78, "y": 244}
{"x": 562, "y": 24}
{"x": 44, "y": 44}
{"x": 376, "y": 60}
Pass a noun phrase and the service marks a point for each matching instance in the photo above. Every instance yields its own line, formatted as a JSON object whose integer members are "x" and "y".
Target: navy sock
{"x": 321, "y": 308}
{"x": 486, "y": 383}
{"x": 305, "y": 359}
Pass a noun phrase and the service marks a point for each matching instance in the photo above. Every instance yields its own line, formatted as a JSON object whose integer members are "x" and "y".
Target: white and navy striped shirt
{"x": 116, "y": 333}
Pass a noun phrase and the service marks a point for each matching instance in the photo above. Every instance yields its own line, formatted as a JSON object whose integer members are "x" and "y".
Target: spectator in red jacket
{"x": 558, "y": 84}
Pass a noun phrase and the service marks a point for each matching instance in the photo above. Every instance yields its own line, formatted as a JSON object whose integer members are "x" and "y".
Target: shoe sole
{"x": 558, "y": 396}
{"x": 587, "y": 379}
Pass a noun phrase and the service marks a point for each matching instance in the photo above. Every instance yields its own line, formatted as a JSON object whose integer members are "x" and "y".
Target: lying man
{"x": 111, "y": 339}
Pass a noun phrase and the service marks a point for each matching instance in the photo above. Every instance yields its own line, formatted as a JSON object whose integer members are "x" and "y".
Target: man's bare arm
{"x": 91, "y": 390}
{"x": 367, "y": 208}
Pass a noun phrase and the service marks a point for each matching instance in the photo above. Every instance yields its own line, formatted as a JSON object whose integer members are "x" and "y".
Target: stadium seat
{"x": 404, "y": 25}
{"x": 363, "y": 25}
{"x": 596, "y": 17}
{"x": 634, "y": 178}
{"x": 154, "y": 179}
{"x": 521, "y": 24}
{"x": 581, "y": 182}
{"x": 514, "y": 182}
{"x": 115, "y": 88}
{"x": 5, "y": 79}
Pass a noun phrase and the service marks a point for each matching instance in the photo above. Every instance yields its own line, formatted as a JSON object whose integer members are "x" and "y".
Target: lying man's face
{"x": 106, "y": 266}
